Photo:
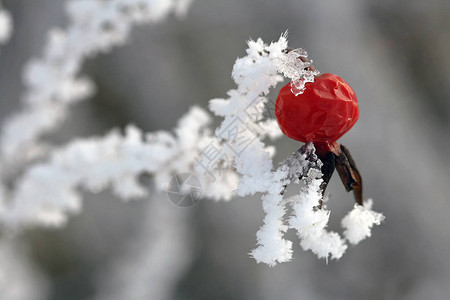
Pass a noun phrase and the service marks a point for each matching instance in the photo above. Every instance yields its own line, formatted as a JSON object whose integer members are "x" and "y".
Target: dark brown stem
{"x": 349, "y": 174}
{"x": 337, "y": 156}
{"x": 358, "y": 186}
{"x": 327, "y": 170}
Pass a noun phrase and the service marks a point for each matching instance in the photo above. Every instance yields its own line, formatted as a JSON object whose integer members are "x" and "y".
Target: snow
{"x": 254, "y": 75}
{"x": 359, "y": 222}
{"x": 52, "y": 83}
{"x": 48, "y": 192}
{"x": 233, "y": 159}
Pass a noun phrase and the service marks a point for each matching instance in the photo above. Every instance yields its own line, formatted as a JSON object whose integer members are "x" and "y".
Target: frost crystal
{"x": 358, "y": 222}
{"x": 295, "y": 65}
{"x": 310, "y": 221}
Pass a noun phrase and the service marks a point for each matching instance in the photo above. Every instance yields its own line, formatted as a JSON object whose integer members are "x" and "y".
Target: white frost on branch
{"x": 49, "y": 191}
{"x": 243, "y": 132}
{"x": 52, "y": 81}
{"x": 358, "y": 222}
{"x": 311, "y": 222}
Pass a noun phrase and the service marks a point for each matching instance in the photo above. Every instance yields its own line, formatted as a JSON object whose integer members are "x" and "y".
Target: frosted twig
{"x": 254, "y": 75}
{"x": 52, "y": 82}
{"x": 49, "y": 191}
{"x": 310, "y": 218}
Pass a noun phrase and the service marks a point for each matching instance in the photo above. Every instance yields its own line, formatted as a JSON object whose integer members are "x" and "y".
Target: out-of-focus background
{"x": 395, "y": 55}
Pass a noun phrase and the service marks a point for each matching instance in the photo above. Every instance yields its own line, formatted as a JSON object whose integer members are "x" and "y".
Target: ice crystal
{"x": 296, "y": 66}
{"x": 358, "y": 222}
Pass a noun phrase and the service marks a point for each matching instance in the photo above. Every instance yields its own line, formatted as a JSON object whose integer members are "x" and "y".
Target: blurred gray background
{"x": 395, "y": 55}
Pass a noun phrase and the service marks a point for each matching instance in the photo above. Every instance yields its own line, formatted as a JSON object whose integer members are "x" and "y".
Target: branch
{"x": 52, "y": 81}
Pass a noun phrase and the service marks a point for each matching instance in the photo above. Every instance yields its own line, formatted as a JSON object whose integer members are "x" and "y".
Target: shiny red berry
{"x": 326, "y": 110}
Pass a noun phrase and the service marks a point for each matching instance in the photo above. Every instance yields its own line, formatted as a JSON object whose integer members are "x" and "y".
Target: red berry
{"x": 326, "y": 110}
